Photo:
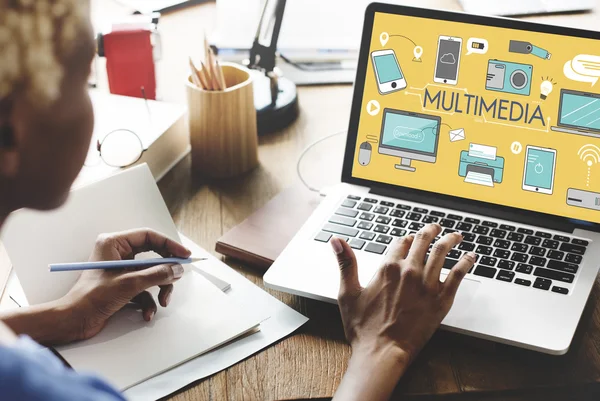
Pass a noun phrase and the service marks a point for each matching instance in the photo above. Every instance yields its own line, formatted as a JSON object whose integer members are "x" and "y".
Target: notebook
{"x": 199, "y": 319}
{"x": 260, "y": 238}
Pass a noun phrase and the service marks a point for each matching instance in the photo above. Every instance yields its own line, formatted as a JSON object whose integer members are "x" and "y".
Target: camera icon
{"x": 509, "y": 77}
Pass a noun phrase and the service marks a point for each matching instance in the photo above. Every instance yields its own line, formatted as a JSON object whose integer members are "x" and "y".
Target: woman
{"x": 46, "y": 120}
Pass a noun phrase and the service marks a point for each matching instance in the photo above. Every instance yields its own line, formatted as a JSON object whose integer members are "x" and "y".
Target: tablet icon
{"x": 539, "y": 170}
{"x": 373, "y": 107}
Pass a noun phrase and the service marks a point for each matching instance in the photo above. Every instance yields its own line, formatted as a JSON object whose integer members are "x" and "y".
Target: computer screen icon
{"x": 579, "y": 113}
{"x": 409, "y": 136}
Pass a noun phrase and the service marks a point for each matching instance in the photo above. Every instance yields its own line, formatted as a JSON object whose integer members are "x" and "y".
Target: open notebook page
{"x": 129, "y": 350}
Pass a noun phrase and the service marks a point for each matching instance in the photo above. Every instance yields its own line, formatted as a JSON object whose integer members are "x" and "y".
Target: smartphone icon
{"x": 448, "y": 60}
{"x": 388, "y": 73}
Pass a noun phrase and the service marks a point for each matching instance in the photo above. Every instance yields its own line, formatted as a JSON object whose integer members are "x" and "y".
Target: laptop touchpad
{"x": 462, "y": 302}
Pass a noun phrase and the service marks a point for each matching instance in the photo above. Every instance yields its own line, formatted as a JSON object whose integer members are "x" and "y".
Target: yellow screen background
{"x": 442, "y": 176}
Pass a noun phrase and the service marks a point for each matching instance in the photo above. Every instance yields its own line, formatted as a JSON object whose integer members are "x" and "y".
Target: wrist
{"x": 373, "y": 372}
{"x": 51, "y": 323}
{"x": 387, "y": 355}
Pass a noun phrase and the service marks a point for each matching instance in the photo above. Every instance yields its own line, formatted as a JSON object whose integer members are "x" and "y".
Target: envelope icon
{"x": 457, "y": 135}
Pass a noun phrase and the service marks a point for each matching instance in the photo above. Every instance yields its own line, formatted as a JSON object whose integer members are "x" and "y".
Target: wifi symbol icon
{"x": 590, "y": 155}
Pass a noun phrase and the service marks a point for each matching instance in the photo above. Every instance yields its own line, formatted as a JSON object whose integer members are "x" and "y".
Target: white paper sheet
{"x": 129, "y": 350}
{"x": 284, "y": 321}
{"x": 482, "y": 151}
{"x": 479, "y": 179}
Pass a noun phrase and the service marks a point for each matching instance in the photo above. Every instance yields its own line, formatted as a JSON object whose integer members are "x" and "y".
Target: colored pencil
{"x": 120, "y": 264}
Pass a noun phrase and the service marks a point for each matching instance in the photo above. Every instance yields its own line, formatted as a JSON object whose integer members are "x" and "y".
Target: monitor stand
{"x": 405, "y": 165}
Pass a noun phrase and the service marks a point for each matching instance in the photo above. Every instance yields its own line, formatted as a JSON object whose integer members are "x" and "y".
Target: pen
{"x": 120, "y": 264}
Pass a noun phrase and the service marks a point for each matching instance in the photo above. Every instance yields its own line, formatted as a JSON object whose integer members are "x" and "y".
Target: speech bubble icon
{"x": 477, "y": 46}
{"x": 384, "y": 37}
{"x": 583, "y": 68}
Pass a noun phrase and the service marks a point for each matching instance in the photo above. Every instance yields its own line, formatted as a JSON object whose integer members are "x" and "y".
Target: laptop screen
{"x": 580, "y": 110}
{"x": 475, "y": 111}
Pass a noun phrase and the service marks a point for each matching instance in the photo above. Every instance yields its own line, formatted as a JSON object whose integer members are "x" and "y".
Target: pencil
{"x": 206, "y": 48}
{"x": 213, "y": 70}
{"x": 207, "y": 77}
{"x": 220, "y": 75}
{"x": 121, "y": 264}
{"x": 202, "y": 77}
{"x": 195, "y": 76}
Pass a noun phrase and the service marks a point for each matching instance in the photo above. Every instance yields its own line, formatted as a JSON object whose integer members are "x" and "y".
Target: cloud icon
{"x": 448, "y": 58}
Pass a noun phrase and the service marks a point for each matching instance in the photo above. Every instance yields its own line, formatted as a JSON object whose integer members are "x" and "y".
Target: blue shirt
{"x": 29, "y": 372}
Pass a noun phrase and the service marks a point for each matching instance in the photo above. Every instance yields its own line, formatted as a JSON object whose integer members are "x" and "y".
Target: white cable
{"x": 305, "y": 151}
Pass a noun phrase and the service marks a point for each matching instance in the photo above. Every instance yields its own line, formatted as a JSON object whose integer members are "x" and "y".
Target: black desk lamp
{"x": 275, "y": 97}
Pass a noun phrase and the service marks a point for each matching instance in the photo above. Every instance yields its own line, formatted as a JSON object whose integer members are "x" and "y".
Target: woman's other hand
{"x": 388, "y": 322}
{"x": 98, "y": 294}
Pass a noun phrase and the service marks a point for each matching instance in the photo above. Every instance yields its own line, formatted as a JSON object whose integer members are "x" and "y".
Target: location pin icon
{"x": 384, "y": 37}
{"x": 418, "y": 52}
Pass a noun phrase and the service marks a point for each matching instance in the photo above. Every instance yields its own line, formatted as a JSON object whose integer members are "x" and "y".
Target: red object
{"x": 130, "y": 63}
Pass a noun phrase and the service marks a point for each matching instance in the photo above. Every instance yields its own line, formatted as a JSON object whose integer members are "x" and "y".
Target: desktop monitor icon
{"x": 409, "y": 136}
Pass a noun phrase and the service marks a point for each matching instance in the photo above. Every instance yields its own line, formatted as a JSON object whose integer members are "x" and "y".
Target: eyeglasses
{"x": 119, "y": 148}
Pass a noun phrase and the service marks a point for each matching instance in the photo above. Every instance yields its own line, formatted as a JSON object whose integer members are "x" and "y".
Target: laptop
{"x": 525, "y": 7}
{"x": 434, "y": 139}
{"x": 579, "y": 113}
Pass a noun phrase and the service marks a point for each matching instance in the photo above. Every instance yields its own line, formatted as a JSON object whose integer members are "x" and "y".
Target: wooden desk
{"x": 310, "y": 364}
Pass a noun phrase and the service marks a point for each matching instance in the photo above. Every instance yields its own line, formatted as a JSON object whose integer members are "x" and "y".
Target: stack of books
{"x": 162, "y": 127}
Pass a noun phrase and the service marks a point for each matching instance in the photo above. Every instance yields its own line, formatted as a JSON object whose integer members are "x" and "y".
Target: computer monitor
{"x": 409, "y": 136}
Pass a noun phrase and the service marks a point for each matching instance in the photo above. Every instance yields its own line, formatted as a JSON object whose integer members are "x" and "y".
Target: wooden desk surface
{"x": 310, "y": 364}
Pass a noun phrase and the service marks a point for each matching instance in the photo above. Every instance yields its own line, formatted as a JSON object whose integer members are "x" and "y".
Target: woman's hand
{"x": 98, "y": 294}
{"x": 388, "y": 322}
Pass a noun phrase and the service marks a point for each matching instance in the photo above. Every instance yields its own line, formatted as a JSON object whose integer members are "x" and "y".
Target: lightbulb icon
{"x": 546, "y": 87}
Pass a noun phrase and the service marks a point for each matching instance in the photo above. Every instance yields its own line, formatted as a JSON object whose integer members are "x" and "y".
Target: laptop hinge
{"x": 498, "y": 212}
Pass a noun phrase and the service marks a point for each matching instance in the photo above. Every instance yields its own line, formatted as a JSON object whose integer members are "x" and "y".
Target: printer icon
{"x": 480, "y": 165}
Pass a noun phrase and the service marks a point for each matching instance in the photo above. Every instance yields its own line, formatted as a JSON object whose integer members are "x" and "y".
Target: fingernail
{"x": 168, "y": 299}
{"x": 152, "y": 315}
{"x": 336, "y": 244}
{"x": 472, "y": 255}
{"x": 177, "y": 271}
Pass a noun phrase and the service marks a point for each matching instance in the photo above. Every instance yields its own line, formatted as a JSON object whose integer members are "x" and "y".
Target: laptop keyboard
{"x": 517, "y": 255}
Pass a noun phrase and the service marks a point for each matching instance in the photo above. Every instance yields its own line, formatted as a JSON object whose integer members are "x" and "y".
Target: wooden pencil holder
{"x": 223, "y": 131}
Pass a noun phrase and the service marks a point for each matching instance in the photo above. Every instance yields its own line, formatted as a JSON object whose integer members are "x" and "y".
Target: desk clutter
{"x": 205, "y": 314}
{"x": 222, "y": 123}
{"x": 159, "y": 126}
{"x": 209, "y": 76}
